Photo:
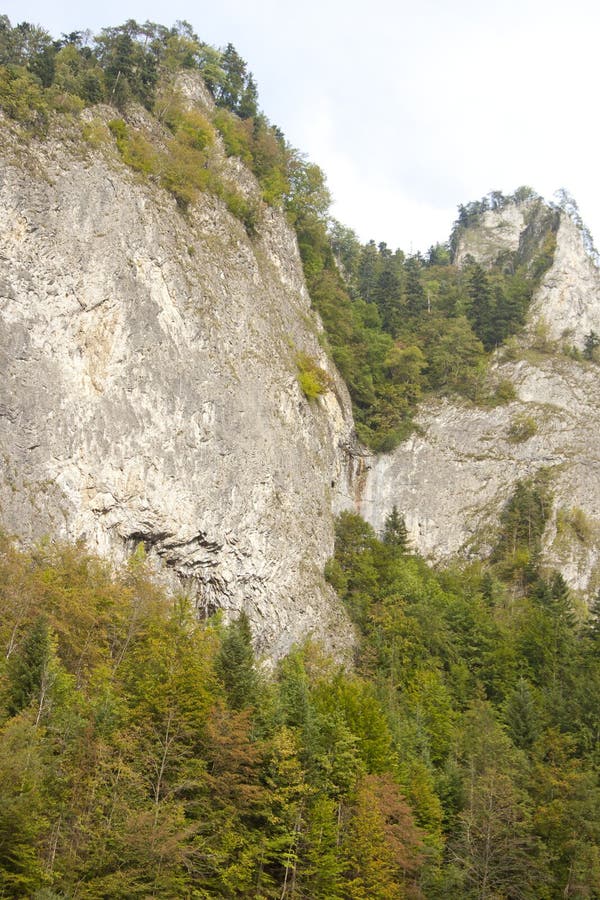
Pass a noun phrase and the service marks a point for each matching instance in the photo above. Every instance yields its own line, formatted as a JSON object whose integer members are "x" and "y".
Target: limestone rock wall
{"x": 568, "y": 300}
{"x": 149, "y": 389}
{"x": 149, "y": 394}
{"x": 498, "y": 232}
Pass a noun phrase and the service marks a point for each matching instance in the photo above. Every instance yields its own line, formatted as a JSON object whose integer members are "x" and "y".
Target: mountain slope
{"x": 454, "y": 476}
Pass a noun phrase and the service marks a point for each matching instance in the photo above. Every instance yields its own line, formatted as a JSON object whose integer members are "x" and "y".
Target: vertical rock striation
{"x": 150, "y": 394}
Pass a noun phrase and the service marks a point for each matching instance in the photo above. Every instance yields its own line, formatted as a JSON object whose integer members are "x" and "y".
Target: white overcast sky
{"x": 410, "y": 108}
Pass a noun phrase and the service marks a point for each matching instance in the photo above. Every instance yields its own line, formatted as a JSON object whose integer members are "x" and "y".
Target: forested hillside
{"x": 402, "y": 327}
{"x": 143, "y": 753}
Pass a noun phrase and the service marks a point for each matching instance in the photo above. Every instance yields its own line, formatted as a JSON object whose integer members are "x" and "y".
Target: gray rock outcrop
{"x": 150, "y": 394}
{"x": 149, "y": 388}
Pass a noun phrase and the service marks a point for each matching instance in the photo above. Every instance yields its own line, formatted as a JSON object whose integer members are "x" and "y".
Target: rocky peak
{"x": 452, "y": 478}
{"x": 567, "y": 302}
{"x": 566, "y": 305}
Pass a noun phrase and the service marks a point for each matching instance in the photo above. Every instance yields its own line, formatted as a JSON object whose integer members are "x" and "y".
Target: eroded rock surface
{"x": 149, "y": 389}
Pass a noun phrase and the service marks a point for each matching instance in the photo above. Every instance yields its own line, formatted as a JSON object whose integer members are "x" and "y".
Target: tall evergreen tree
{"x": 395, "y": 532}
{"x": 368, "y": 268}
{"x": 416, "y": 299}
{"x": 231, "y": 91}
{"x": 28, "y": 667}
{"x": 480, "y": 311}
{"x": 387, "y": 294}
{"x": 235, "y": 664}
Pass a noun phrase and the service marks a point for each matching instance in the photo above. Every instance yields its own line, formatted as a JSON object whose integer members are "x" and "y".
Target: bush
{"x": 136, "y": 150}
{"x": 245, "y": 210}
{"x": 183, "y": 168}
{"x": 191, "y": 128}
{"x": 184, "y": 173}
{"x": 505, "y": 392}
{"x": 21, "y": 97}
{"x": 313, "y": 380}
{"x": 94, "y": 132}
{"x": 235, "y": 139}
{"x": 521, "y": 429}
{"x": 65, "y": 102}
{"x": 540, "y": 338}
{"x": 575, "y": 521}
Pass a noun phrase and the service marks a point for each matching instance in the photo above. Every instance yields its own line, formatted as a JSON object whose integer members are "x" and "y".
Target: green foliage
{"x": 522, "y": 525}
{"x": 468, "y": 724}
{"x": 401, "y": 327}
{"x": 395, "y": 533}
{"x": 522, "y": 428}
{"x": 234, "y": 135}
{"x": 22, "y": 98}
{"x": 175, "y": 768}
{"x": 190, "y": 127}
{"x": 573, "y": 522}
{"x": 183, "y": 168}
{"x": 591, "y": 345}
{"x": 313, "y": 380}
{"x": 541, "y": 340}
{"x": 504, "y": 392}
{"x": 247, "y": 211}
{"x": 236, "y": 90}
{"x": 136, "y": 150}
{"x": 235, "y": 664}
{"x": 183, "y": 174}
{"x": 474, "y": 686}
{"x": 27, "y": 668}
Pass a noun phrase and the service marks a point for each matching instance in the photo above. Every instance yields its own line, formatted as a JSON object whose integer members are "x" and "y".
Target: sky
{"x": 410, "y": 108}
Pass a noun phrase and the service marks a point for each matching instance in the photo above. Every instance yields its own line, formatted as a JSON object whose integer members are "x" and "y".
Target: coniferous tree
{"x": 367, "y": 271}
{"x": 395, "y": 532}
{"x": 387, "y": 294}
{"x": 235, "y": 664}
{"x": 561, "y": 606}
{"x": 248, "y": 104}
{"x": 591, "y": 344}
{"x": 481, "y": 305}
{"x": 593, "y": 629}
{"x": 522, "y": 715}
{"x": 416, "y": 300}
{"x": 231, "y": 91}
{"x": 29, "y": 667}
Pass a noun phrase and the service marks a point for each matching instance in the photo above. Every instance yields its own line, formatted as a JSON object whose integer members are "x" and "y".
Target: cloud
{"x": 409, "y": 108}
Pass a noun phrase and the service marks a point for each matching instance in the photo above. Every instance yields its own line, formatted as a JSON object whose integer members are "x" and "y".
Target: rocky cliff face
{"x": 149, "y": 390}
{"x": 567, "y": 303}
{"x": 150, "y": 393}
{"x": 452, "y": 478}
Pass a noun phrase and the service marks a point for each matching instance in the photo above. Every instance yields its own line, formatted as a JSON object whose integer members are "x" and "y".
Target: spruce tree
{"x": 591, "y": 344}
{"x": 481, "y": 310}
{"x": 416, "y": 301}
{"x": 28, "y": 667}
{"x": 235, "y": 664}
{"x": 395, "y": 532}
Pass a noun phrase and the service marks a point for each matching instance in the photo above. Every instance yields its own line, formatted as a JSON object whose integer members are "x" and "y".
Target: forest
{"x": 145, "y": 753}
